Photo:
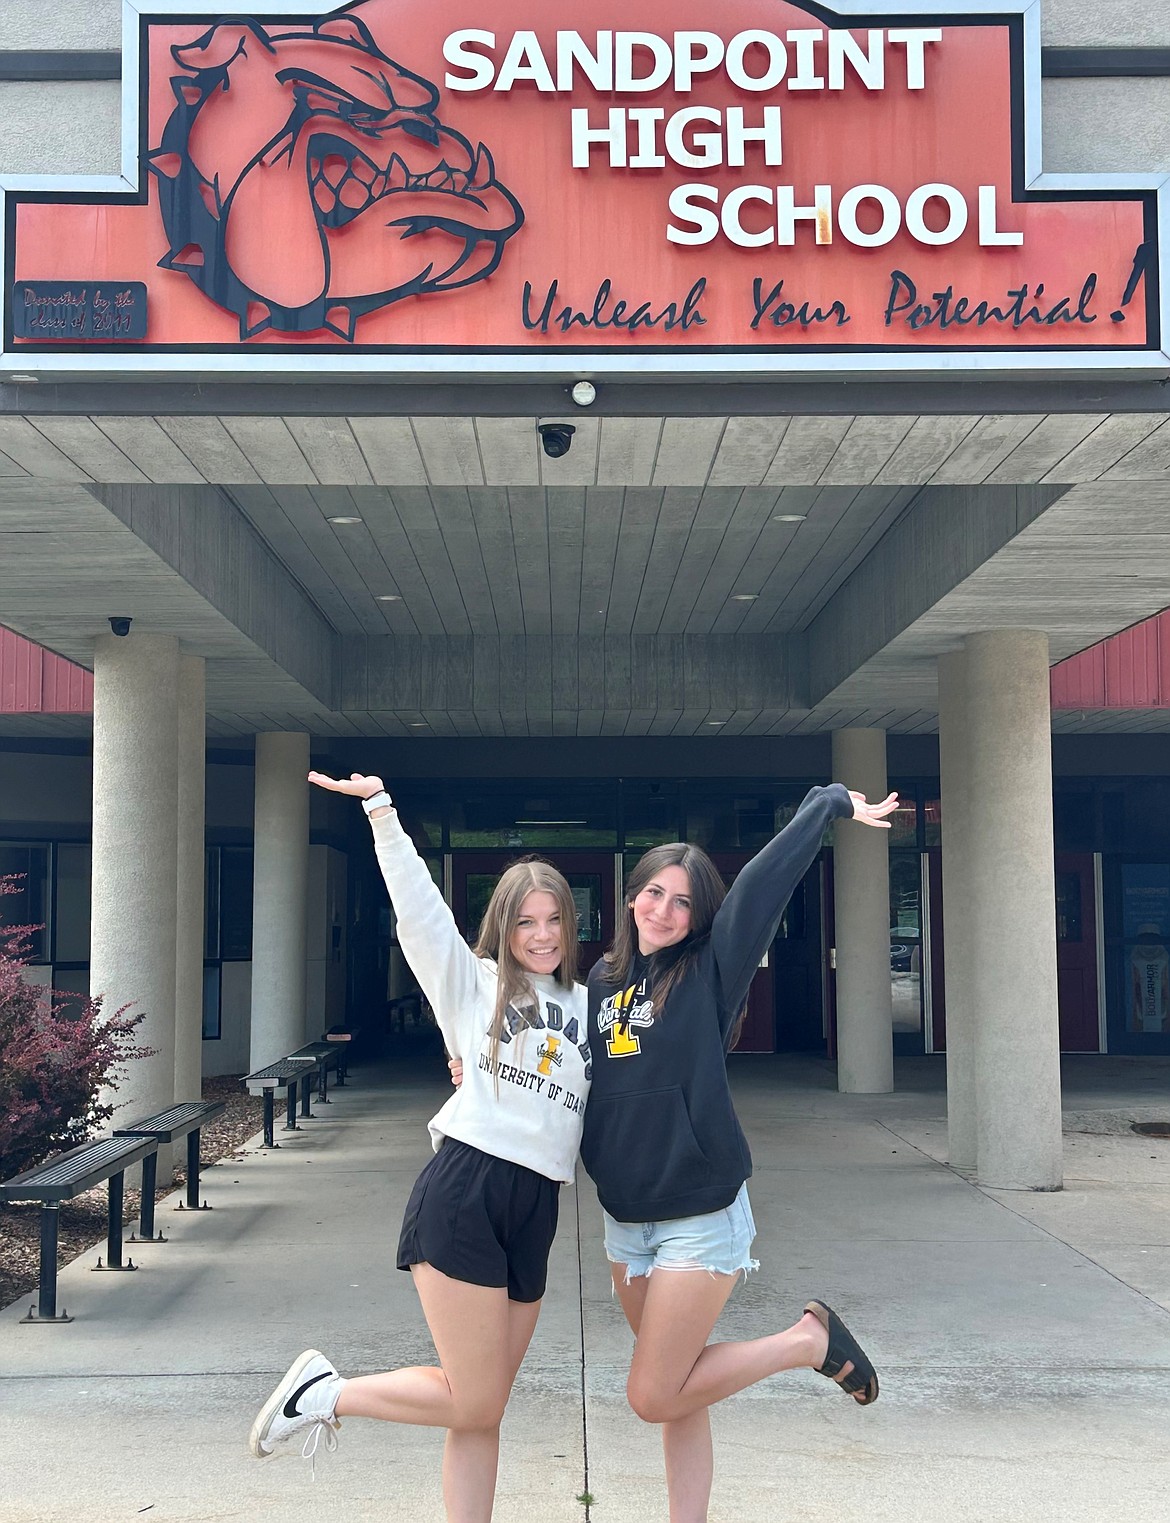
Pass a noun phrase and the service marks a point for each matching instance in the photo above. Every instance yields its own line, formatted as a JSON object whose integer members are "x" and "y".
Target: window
{"x": 29, "y": 905}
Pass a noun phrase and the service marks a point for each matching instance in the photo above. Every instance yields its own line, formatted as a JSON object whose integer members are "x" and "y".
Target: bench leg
{"x": 146, "y": 1232}
{"x": 193, "y": 1173}
{"x": 323, "y": 1085}
{"x": 114, "y": 1226}
{"x": 341, "y": 1067}
{"x": 306, "y": 1086}
{"x": 269, "y": 1118}
{"x": 290, "y": 1120}
{"x": 47, "y": 1290}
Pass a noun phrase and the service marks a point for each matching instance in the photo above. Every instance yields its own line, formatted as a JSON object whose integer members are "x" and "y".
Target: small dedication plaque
{"x": 107, "y": 311}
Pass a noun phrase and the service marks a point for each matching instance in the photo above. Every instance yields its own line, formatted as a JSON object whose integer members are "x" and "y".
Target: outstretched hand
{"x": 356, "y": 785}
{"x": 873, "y": 814}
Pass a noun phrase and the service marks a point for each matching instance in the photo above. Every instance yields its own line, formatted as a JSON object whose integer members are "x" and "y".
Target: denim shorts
{"x": 719, "y": 1242}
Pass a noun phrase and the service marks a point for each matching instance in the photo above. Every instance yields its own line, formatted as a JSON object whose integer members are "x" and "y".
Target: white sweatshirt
{"x": 543, "y": 1067}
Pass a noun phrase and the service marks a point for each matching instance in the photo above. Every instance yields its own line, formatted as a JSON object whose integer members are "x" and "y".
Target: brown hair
{"x": 514, "y": 987}
{"x": 707, "y": 893}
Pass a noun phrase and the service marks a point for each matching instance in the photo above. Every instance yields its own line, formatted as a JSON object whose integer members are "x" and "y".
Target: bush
{"x": 57, "y": 1053}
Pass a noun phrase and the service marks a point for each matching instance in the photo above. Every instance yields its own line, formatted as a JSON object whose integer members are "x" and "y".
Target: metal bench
{"x": 343, "y": 1035}
{"x": 285, "y": 1073}
{"x": 62, "y": 1178}
{"x": 325, "y": 1055}
{"x": 183, "y": 1120}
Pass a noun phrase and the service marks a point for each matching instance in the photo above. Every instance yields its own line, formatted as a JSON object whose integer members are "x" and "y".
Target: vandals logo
{"x": 305, "y": 179}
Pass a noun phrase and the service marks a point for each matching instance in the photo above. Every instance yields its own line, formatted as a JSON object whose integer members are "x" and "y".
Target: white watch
{"x": 379, "y": 801}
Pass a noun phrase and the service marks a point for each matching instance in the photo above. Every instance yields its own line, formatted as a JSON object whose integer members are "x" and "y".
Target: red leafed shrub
{"x": 57, "y": 1053}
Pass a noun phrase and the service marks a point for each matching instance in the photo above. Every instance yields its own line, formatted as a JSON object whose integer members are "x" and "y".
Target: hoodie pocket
{"x": 643, "y": 1145}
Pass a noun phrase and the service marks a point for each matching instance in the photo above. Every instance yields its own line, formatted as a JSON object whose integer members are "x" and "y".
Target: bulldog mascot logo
{"x": 306, "y": 180}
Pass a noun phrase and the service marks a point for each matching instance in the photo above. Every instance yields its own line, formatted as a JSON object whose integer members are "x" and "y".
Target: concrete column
{"x": 135, "y": 802}
{"x": 861, "y": 911}
{"x": 190, "y": 897}
{"x": 280, "y": 896}
{"x": 1012, "y": 960}
{"x": 954, "y": 768}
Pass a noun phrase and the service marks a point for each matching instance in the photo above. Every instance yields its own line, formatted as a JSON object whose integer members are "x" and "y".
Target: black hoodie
{"x": 661, "y": 1136}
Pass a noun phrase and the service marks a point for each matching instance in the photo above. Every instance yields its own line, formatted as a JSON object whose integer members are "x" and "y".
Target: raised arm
{"x": 748, "y": 918}
{"x": 445, "y": 966}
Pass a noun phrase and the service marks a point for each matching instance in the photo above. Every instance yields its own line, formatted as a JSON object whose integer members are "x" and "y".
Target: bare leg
{"x": 471, "y": 1456}
{"x": 481, "y": 1338}
{"x": 675, "y": 1372}
{"x": 686, "y": 1441}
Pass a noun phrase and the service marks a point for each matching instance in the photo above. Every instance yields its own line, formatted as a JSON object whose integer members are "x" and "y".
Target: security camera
{"x": 120, "y": 623}
{"x": 556, "y": 438}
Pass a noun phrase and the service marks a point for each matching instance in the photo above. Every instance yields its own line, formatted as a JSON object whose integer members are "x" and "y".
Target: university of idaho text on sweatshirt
{"x": 661, "y": 1137}
{"x": 530, "y": 1111}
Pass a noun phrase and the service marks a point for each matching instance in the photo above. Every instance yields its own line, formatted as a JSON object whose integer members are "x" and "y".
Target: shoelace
{"x": 321, "y": 1425}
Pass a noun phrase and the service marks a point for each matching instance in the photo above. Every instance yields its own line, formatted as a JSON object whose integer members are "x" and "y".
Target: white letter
{"x": 870, "y": 67}
{"x": 706, "y": 223}
{"x": 584, "y": 134}
{"x": 707, "y": 152}
{"x": 597, "y": 68}
{"x": 916, "y": 207}
{"x": 524, "y": 60}
{"x": 730, "y": 217}
{"x": 687, "y": 63}
{"x": 736, "y": 60}
{"x": 455, "y": 51}
{"x": 624, "y": 62}
{"x": 788, "y": 214}
{"x": 847, "y": 215}
{"x": 806, "y": 76}
{"x": 915, "y": 40}
{"x": 768, "y": 134}
{"x": 989, "y": 236}
{"x": 646, "y": 155}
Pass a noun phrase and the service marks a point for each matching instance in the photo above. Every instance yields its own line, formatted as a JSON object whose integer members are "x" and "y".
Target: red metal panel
{"x": 35, "y": 681}
{"x": 1129, "y": 671}
{"x": 66, "y": 688}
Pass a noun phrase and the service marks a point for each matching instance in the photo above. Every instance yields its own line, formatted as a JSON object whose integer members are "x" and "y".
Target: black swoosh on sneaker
{"x": 290, "y": 1406}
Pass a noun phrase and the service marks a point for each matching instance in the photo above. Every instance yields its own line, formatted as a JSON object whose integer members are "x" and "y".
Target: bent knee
{"x": 479, "y": 1412}
{"x": 650, "y": 1404}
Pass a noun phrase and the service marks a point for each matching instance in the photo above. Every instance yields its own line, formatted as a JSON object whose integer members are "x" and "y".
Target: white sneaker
{"x": 303, "y": 1402}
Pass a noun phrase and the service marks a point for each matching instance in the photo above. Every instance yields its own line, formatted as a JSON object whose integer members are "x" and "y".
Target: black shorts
{"x": 482, "y": 1220}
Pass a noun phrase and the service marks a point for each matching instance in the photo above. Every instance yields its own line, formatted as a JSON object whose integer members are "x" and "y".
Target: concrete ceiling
{"x": 699, "y": 575}
{"x": 662, "y": 451}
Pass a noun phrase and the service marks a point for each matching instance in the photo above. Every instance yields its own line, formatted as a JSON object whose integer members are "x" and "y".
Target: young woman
{"x": 480, "y": 1222}
{"x": 665, "y": 1149}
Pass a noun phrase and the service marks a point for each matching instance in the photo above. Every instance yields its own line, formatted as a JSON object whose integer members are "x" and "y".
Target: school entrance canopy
{"x": 427, "y": 374}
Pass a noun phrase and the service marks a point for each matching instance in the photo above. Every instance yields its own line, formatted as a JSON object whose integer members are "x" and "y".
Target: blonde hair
{"x": 514, "y": 989}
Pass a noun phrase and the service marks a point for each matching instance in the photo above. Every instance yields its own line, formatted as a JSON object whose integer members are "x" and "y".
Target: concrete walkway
{"x": 1023, "y": 1340}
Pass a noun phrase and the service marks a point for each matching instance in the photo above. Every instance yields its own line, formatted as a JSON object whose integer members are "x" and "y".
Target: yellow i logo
{"x": 548, "y": 1056}
{"x": 621, "y": 1042}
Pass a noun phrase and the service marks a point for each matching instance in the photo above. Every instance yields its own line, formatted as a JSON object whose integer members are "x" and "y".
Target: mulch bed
{"x": 83, "y": 1221}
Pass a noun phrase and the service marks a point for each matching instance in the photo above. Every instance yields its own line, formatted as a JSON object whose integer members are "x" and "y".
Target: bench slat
{"x": 68, "y": 1174}
{"x": 175, "y": 1122}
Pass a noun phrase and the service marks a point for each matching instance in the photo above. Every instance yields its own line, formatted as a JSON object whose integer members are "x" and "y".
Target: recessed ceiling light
{"x": 24, "y": 380}
{"x": 388, "y": 597}
{"x": 419, "y": 724}
{"x": 789, "y": 518}
{"x": 716, "y": 721}
{"x": 344, "y": 518}
{"x": 744, "y": 597}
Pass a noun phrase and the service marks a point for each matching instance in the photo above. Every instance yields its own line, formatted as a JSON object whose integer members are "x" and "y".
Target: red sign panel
{"x": 403, "y": 178}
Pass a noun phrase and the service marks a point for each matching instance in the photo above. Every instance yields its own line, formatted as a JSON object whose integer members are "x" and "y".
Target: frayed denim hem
{"x": 644, "y": 1274}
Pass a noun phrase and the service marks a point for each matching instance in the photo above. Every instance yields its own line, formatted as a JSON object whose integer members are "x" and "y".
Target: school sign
{"x": 396, "y": 188}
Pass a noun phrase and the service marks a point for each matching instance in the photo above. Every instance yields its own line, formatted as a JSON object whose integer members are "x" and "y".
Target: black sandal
{"x": 844, "y": 1349}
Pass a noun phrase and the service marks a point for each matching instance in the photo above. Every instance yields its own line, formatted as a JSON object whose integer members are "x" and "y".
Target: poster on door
{"x": 1145, "y": 893}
